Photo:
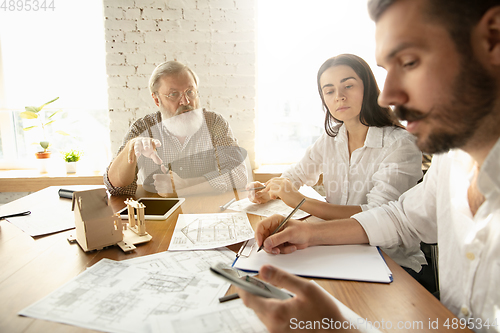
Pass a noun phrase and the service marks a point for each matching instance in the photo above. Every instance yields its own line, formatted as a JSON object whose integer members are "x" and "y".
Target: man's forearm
{"x": 337, "y": 232}
{"x": 122, "y": 173}
{"x": 327, "y": 211}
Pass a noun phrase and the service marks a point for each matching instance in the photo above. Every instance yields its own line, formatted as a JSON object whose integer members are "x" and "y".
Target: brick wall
{"x": 216, "y": 38}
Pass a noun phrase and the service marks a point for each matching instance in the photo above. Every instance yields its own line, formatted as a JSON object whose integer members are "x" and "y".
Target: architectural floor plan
{"x": 275, "y": 206}
{"x": 229, "y": 317}
{"x": 266, "y": 209}
{"x": 208, "y": 231}
{"x": 121, "y": 296}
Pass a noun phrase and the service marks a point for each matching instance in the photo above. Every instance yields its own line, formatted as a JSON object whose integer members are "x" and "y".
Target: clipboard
{"x": 342, "y": 262}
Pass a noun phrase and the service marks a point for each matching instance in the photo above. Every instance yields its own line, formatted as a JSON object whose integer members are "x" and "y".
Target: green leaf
{"x": 29, "y": 128}
{"x": 48, "y": 123}
{"x": 33, "y": 109}
{"x": 72, "y": 155}
{"x": 52, "y": 115}
{"x": 28, "y": 115}
{"x": 44, "y": 144}
{"x": 55, "y": 99}
{"x": 62, "y": 133}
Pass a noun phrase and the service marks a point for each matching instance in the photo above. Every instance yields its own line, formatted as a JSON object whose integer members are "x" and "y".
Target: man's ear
{"x": 155, "y": 98}
{"x": 488, "y": 29}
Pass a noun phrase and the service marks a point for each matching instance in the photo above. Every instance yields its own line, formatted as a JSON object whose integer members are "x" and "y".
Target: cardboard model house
{"x": 96, "y": 224}
{"x": 98, "y": 227}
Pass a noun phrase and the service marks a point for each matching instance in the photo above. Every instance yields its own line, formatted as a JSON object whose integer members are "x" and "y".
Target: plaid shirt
{"x": 212, "y": 152}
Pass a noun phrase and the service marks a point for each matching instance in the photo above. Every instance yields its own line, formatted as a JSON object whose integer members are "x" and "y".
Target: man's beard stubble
{"x": 474, "y": 94}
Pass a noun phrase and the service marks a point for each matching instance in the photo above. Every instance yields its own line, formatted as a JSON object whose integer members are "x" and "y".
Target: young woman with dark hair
{"x": 365, "y": 156}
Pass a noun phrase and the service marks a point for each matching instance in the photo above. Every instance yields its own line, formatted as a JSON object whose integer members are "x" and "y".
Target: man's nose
{"x": 184, "y": 99}
{"x": 393, "y": 92}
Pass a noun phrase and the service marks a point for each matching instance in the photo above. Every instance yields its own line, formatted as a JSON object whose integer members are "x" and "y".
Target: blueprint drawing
{"x": 228, "y": 317}
{"x": 275, "y": 206}
{"x": 120, "y": 296}
{"x": 266, "y": 209}
{"x": 208, "y": 231}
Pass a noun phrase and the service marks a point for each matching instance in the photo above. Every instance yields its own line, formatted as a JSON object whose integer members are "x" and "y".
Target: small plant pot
{"x": 41, "y": 155}
{"x": 71, "y": 167}
{"x": 43, "y": 160}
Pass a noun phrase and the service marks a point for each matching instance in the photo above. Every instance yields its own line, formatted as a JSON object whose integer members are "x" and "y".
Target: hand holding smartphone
{"x": 249, "y": 283}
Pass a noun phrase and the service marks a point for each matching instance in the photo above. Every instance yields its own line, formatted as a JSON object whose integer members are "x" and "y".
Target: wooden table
{"x": 33, "y": 268}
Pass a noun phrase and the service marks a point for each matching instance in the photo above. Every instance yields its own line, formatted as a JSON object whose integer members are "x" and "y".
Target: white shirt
{"x": 437, "y": 210}
{"x": 388, "y": 164}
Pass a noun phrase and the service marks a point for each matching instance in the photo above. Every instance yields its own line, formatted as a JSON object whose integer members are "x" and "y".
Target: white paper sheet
{"x": 346, "y": 262}
{"x": 120, "y": 296}
{"x": 361, "y": 324}
{"x": 266, "y": 209}
{"x": 45, "y": 219}
{"x": 226, "y": 317}
{"x": 49, "y": 213}
{"x": 208, "y": 231}
{"x": 233, "y": 316}
{"x": 275, "y": 206}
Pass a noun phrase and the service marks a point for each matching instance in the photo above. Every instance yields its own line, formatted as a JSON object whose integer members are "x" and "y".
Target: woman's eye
{"x": 348, "y": 86}
{"x": 329, "y": 92}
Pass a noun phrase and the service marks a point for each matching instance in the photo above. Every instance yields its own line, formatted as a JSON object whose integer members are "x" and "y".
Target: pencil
{"x": 224, "y": 207}
{"x": 228, "y": 298}
{"x": 254, "y": 189}
{"x": 284, "y": 221}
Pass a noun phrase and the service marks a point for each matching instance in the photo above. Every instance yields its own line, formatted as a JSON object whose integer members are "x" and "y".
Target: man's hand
{"x": 144, "y": 146}
{"x": 283, "y": 188}
{"x": 163, "y": 182}
{"x": 295, "y": 235}
{"x": 310, "y": 303}
{"x": 258, "y": 197}
{"x": 170, "y": 182}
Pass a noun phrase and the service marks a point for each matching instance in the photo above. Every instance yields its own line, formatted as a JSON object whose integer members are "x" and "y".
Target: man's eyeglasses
{"x": 175, "y": 96}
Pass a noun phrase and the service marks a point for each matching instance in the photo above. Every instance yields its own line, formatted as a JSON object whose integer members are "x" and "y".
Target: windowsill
{"x": 266, "y": 172}
{"x": 34, "y": 180}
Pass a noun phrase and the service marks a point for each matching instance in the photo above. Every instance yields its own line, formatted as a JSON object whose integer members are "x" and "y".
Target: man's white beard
{"x": 185, "y": 124}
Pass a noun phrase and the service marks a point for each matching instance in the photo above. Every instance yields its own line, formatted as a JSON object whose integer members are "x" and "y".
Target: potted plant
{"x": 71, "y": 157}
{"x": 33, "y": 112}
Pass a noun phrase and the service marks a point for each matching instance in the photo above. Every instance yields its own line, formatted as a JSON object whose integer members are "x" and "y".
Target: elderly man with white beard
{"x": 181, "y": 147}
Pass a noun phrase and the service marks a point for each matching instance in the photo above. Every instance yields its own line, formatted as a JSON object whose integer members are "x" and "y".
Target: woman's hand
{"x": 283, "y": 189}
{"x": 258, "y": 197}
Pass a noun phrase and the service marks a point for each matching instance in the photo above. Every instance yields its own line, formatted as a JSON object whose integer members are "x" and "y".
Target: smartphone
{"x": 249, "y": 283}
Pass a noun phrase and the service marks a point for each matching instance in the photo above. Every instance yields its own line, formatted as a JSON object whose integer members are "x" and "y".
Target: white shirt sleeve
{"x": 399, "y": 226}
{"x": 310, "y": 167}
{"x": 400, "y": 170}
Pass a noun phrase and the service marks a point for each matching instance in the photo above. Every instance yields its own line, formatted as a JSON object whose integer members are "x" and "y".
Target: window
{"x": 294, "y": 39}
{"x": 56, "y": 52}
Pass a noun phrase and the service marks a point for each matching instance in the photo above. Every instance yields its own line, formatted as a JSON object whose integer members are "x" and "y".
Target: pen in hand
{"x": 254, "y": 189}
{"x": 283, "y": 222}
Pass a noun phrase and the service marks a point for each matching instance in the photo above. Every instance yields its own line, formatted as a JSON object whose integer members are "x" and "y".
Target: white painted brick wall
{"x": 216, "y": 38}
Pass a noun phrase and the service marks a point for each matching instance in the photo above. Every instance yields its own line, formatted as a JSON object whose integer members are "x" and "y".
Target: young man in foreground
{"x": 443, "y": 70}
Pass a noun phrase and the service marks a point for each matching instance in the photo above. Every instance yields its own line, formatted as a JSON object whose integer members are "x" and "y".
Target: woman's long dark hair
{"x": 371, "y": 113}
